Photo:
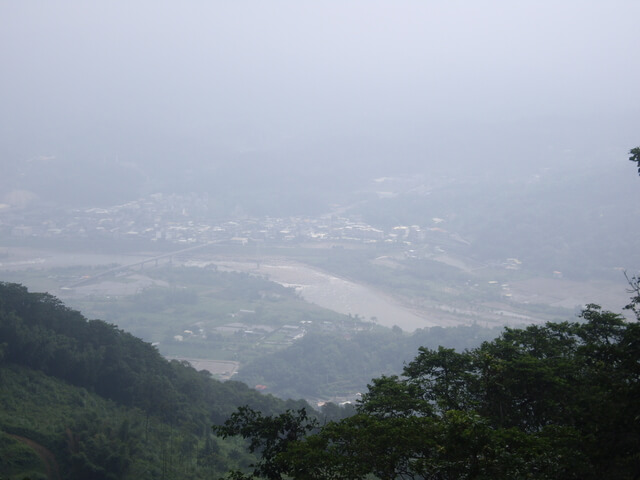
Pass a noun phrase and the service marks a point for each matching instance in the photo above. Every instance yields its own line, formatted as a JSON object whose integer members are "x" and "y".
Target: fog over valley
{"x": 302, "y": 196}
{"x": 121, "y": 100}
{"x": 486, "y": 140}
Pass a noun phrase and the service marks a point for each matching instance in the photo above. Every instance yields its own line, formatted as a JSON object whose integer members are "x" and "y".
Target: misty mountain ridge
{"x": 311, "y": 167}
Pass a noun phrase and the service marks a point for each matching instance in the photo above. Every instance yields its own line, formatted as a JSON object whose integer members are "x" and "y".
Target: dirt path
{"x": 49, "y": 459}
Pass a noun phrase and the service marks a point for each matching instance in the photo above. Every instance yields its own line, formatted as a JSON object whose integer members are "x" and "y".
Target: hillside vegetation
{"x": 104, "y": 403}
{"x": 558, "y": 401}
{"x": 333, "y": 366}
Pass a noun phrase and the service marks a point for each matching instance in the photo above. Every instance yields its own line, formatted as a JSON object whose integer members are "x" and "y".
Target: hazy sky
{"x": 153, "y": 82}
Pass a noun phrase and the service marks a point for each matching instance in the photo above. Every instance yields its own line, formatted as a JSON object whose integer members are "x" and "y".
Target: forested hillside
{"x": 104, "y": 403}
{"x": 321, "y": 366}
{"x": 83, "y": 399}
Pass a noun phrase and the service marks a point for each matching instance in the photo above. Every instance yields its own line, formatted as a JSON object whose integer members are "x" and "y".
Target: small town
{"x": 184, "y": 220}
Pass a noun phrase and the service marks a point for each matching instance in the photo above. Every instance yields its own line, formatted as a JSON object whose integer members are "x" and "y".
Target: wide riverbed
{"x": 315, "y": 286}
{"x": 334, "y": 293}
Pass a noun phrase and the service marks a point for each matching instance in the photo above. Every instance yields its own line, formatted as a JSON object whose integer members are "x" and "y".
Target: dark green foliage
{"x": 153, "y": 422}
{"x": 81, "y": 435}
{"x": 557, "y": 401}
{"x": 41, "y": 333}
{"x": 270, "y": 436}
{"x": 634, "y": 290}
{"x": 18, "y": 460}
{"x": 634, "y": 156}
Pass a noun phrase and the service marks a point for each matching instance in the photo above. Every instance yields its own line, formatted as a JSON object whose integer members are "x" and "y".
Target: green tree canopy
{"x": 634, "y": 156}
{"x": 548, "y": 401}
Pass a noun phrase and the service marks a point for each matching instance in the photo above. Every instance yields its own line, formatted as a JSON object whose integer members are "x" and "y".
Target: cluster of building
{"x": 186, "y": 219}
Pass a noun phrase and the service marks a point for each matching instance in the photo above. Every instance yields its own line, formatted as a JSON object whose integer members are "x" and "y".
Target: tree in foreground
{"x": 634, "y": 156}
{"x": 545, "y": 402}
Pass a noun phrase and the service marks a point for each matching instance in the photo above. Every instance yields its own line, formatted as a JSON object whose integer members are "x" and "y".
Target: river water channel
{"x": 315, "y": 286}
{"x": 334, "y": 293}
